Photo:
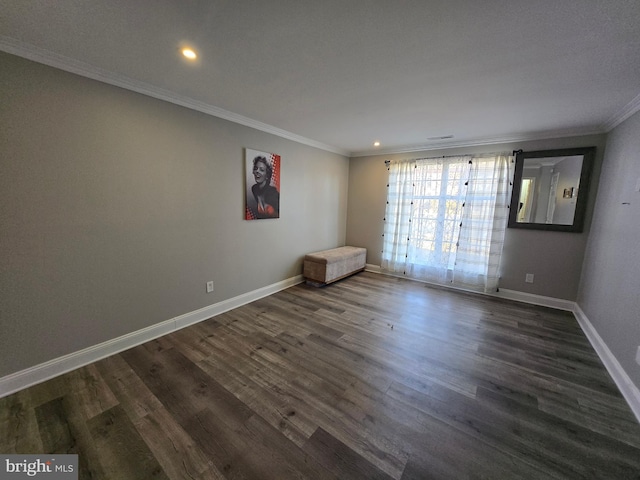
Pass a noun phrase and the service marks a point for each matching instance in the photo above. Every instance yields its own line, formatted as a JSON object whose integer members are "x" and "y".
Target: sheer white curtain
{"x": 398, "y": 215}
{"x": 446, "y": 218}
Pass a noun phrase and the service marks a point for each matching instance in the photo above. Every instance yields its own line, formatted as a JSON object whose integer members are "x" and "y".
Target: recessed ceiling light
{"x": 189, "y": 53}
{"x": 376, "y": 144}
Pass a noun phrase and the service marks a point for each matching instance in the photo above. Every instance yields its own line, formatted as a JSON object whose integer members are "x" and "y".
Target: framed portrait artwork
{"x": 262, "y": 185}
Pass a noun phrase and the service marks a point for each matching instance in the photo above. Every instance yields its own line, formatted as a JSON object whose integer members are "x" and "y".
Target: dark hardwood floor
{"x": 373, "y": 377}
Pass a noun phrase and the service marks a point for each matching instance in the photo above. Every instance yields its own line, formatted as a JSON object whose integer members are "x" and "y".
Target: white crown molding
{"x": 523, "y": 137}
{"x": 36, "y": 54}
{"x": 40, "y": 373}
{"x": 46, "y": 57}
{"x": 629, "y": 109}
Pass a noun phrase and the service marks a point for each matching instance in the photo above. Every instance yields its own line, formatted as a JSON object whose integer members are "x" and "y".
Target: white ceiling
{"x": 340, "y": 74}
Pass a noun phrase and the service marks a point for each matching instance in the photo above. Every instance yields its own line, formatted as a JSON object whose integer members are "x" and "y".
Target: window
{"x": 446, "y": 217}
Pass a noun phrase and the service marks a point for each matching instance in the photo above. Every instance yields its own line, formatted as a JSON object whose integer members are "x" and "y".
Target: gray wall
{"x": 555, "y": 258}
{"x": 610, "y": 288}
{"x": 116, "y": 208}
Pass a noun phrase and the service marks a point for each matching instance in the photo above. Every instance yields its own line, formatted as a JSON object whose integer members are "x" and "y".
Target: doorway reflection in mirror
{"x": 549, "y": 178}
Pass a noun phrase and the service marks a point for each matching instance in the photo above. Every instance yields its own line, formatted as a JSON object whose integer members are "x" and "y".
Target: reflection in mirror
{"x": 550, "y": 189}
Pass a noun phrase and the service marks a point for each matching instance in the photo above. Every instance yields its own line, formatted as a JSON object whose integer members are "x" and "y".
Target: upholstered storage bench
{"x": 330, "y": 265}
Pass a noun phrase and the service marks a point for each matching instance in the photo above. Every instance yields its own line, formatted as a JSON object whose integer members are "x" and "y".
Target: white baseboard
{"x": 523, "y": 297}
{"x": 58, "y": 366}
{"x": 629, "y": 390}
{"x": 557, "y": 303}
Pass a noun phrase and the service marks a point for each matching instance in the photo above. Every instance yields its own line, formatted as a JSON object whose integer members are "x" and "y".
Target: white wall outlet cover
{"x": 209, "y": 287}
{"x": 528, "y": 278}
{"x": 638, "y": 356}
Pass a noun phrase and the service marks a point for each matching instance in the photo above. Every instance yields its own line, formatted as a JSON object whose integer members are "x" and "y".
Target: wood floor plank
{"x": 123, "y": 453}
{"x": 182, "y": 387}
{"x": 243, "y": 452}
{"x": 131, "y": 392}
{"x": 275, "y": 410}
{"x": 91, "y": 392}
{"x": 312, "y": 394}
{"x": 340, "y": 459}
{"x": 439, "y": 457}
{"x": 339, "y": 377}
{"x": 175, "y": 450}
{"x": 435, "y": 449}
{"x": 589, "y": 448}
{"x": 275, "y": 312}
{"x": 63, "y": 429}
{"x": 301, "y": 464}
{"x": 500, "y": 421}
{"x": 483, "y": 427}
{"x": 54, "y": 429}
{"x": 19, "y": 427}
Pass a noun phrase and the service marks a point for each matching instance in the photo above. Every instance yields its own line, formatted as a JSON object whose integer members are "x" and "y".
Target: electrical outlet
{"x": 209, "y": 287}
{"x": 528, "y": 278}
{"x": 638, "y": 356}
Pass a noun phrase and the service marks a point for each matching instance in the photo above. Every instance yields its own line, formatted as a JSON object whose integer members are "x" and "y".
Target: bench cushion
{"x": 333, "y": 264}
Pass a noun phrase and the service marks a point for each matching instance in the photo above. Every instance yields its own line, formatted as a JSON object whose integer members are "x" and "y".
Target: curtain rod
{"x": 442, "y": 156}
{"x": 387, "y": 162}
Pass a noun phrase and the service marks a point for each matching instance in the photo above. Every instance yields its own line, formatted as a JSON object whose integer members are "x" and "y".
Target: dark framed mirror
{"x": 551, "y": 189}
